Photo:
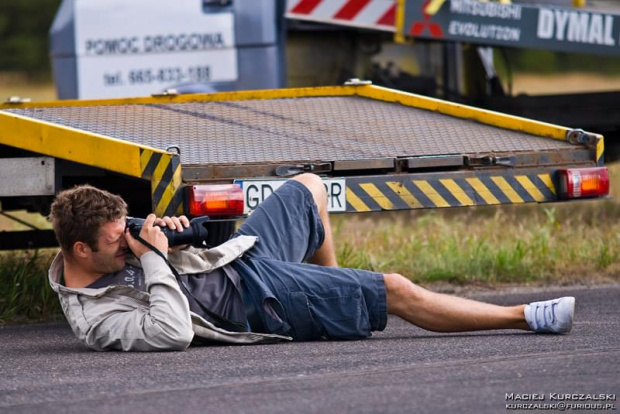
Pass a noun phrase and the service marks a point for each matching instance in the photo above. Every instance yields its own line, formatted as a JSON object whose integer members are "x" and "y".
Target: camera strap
{"x": 220, "y": 321}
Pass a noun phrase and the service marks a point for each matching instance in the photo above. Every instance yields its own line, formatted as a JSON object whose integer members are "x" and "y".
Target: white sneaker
{"x": 555, "y": 315}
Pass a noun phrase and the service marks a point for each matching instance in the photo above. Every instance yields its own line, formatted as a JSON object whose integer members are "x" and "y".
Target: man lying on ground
{"x": 276, "y": 279}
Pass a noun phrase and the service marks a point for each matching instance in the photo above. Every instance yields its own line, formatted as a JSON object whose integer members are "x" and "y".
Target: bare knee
{"x": 400, "y": 292}
{"x": 314, "y": 183}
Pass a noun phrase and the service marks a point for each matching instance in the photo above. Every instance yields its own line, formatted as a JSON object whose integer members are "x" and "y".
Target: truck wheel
{"x": 219, "y": 232}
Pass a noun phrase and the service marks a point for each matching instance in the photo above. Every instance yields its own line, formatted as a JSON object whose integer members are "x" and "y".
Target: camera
{"x": 196, "y": 234}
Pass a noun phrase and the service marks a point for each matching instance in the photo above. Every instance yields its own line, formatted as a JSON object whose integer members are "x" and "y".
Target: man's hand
{"x": 151, "y": 233}
{"x": 174, "y": 223}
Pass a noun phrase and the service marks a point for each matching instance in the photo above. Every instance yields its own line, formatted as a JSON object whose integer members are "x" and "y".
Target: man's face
{"x": 112, "y": 248}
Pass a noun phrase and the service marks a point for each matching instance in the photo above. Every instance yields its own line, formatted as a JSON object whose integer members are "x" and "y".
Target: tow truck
{"x": 220, "y": 154}
{"x": 459, "y": 41}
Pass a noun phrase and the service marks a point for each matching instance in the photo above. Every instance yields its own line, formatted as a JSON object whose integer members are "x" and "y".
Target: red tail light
{"x": 215, "y": 200}
{"x": 584, "y": 182}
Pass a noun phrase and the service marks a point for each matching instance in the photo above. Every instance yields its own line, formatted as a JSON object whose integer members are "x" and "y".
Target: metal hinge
{"x": 288, "y": 170}
{"x": 489, "y": 160}
{"x": 581, "y": 137}
{"x": 435, "y": 161}
{"x": 357, "y": 82}
{"x": 174, "y": 149}
{"x": 17, "y": 100}
{"x": 167, "y": 92}
{"x": 218, "y": 3}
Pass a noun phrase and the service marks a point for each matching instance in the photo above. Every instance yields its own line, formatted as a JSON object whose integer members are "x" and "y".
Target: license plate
{"x": 256, "y": 191}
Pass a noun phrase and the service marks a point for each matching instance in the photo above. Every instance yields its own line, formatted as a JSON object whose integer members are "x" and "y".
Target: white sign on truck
{"x": 130, "y": 48}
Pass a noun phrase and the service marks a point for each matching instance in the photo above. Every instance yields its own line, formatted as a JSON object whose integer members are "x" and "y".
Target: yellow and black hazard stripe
{"x": 433, "y": 191}
{"x": 600, "y": 151}
{"x": 161, "y": 168}
{"x": 164, "y": 173}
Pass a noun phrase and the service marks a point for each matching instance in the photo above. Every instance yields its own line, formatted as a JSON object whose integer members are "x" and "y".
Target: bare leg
{"x": 326, "y": 254}
{"x": 444, "y": 313}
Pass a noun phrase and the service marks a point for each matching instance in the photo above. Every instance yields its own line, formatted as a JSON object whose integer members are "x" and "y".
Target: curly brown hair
{"x": 78, "y": 213}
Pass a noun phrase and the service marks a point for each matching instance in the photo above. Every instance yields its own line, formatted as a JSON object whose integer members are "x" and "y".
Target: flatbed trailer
{"x": 468, "y": 73}
{"x": 387, "y": 150}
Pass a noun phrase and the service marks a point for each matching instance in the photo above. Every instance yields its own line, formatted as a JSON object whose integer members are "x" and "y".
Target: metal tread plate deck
{"x": 321, "y": 128}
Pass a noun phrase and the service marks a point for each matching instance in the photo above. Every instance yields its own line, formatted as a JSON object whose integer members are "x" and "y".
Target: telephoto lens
{"x": 196, "y": 234}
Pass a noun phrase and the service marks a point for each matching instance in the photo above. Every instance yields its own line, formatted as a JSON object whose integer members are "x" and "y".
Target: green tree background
{"x": 24, "y": 45}
{"x": 24, "y": 27}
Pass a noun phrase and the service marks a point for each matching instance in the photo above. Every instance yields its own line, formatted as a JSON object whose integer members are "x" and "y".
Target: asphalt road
{"x": 401, "y": 370}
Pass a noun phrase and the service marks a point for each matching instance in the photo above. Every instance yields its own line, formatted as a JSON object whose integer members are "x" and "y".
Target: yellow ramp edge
{"x": 487, "y": 117}
{"x": 483, "y": 116}
{"x": 73, "y": 145}
{"x": 320, "y": 91}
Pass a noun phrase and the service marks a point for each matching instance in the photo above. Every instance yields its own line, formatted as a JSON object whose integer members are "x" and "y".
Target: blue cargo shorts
{"x": 285, "y": 296}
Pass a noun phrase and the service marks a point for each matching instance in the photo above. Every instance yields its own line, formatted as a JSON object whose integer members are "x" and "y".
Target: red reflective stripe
{"x": 351, "y": 9}
{"x": 306, "y": 6}
{"x": 389, "y": 18}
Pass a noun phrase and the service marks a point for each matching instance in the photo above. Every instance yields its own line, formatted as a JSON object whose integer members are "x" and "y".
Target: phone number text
{"x": 163, "y": 75}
